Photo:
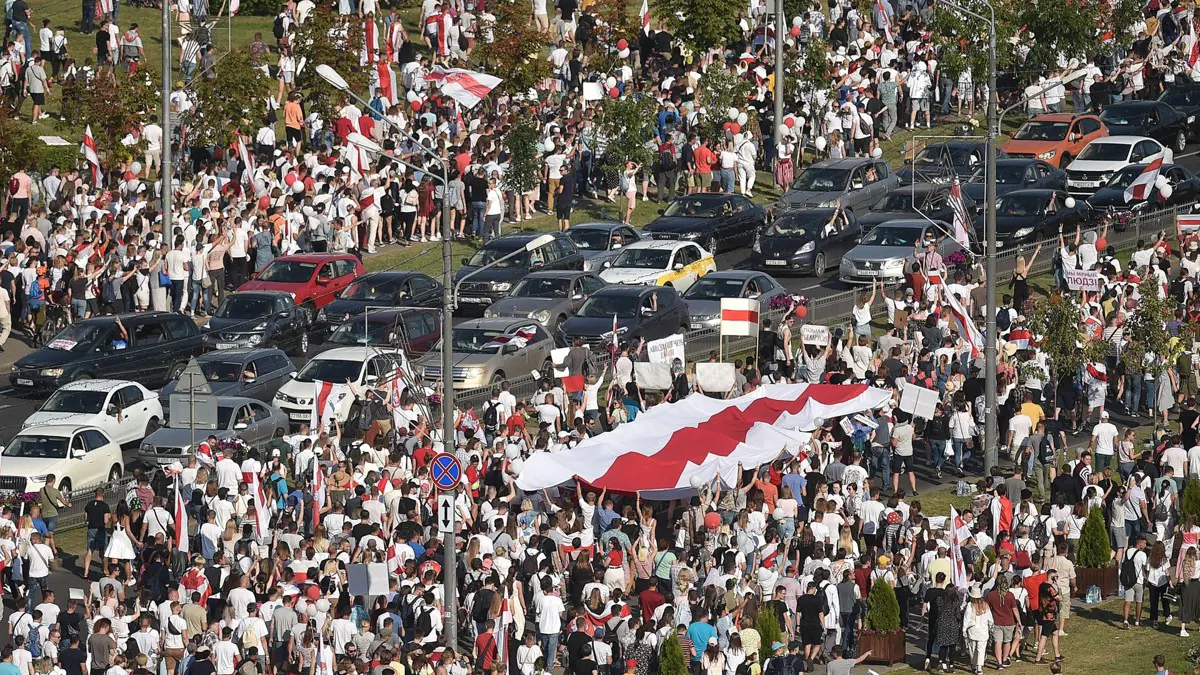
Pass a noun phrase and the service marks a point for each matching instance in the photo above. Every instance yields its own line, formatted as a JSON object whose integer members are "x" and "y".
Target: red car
{"x": 313, "y": 279}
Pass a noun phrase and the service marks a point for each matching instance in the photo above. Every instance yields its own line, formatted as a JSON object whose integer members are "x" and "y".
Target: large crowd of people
{"x": 574, "y": 578}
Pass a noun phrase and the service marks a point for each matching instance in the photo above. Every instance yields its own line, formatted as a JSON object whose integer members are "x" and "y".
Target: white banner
{"x": 717, "y": 378}
{"x": 652, "y": 375}
{"x": 666, "y": 350}
{"x": 918, "y": 401}
{"x": 1084, "y": 280}
{"x": 811, "y": 334}
{"x": 559, "y": 357}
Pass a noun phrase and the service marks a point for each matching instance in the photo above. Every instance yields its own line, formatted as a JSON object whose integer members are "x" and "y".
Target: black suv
{"x": 649, "y": 312}
{"x": 494, "y": 283}
{"x": 151, "y": 348}
{"x": 253, "y": 319}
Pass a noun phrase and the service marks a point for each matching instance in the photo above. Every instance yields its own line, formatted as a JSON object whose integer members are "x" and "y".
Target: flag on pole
{"x": 233, "y": 7}
{"x": 395, "y": 40}
{"x": 1188, "y": 223}
{"x": 325, "y": 399}
{"x": 106, "y": 7}
{"x": 262, "y": 512}
{"x": 181, "y": 518}
{"x": 468, "y": 87}
{"x": 88, "y": 149}
{"x": 370, "y": 43}
{"x": 245, "y": 157}
{"x": 645, "y": 14}
{"x": 388, "y": 87}
{"x": 1140, "y": 188}
{"x": 884, "y": 19}
{"x": 318, "y": 495}
{"x": 966, "y": 327}
{"x": 739, "y": 316}
{"x": 958, "y": 569}
{"x": 962, "y": 219}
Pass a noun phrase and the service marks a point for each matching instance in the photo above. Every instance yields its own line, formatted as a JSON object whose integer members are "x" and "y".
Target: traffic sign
{"x": 446, "y": 471}
{"x": 445, "y": 512}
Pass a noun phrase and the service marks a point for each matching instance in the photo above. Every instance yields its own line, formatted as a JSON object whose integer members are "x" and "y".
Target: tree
{"x": 1146, "y": 330}
{"x": 883, "y": 610}
{"x": 515, "y": 53}
{"x": 114, "y": 107}
{"x": 672, "y": 660}
{"x": 336, "y": 41}
{"x": 626, "y": 124}
{"x": 719, "y": 91}
{"x": 523, "y": 163}
{"x": 1094, "y": 550}
{"x": 1058, "y": 323}
{"x": 703, "y": 24}
{"x": 769, "y": 632}
{"x": 1189, "y": 504}
{"x": 233, "y": 100}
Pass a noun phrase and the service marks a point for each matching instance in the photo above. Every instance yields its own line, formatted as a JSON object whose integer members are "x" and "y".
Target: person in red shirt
{"x": 650, "y": 599}
{"x": 423, "y": 455}
{"x": 1033, "y": 584}
{"x": 485, "y": 647}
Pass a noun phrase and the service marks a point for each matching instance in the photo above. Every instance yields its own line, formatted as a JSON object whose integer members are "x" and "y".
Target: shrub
{"x": 769, "y": 632}
{"x": 1189, "y": 504}
{"x": 1094, "y": 550}
{"x": 883, "y": 611}
{"x": 672, "y": 661}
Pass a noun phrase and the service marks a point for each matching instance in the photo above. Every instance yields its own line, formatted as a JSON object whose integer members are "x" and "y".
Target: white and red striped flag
{"x": 520, "y": 337}
{"x": 233, "y": 7}
{"x": 106, "y": 7}
{"x": 958, "y": 568}
{"x": 1188, "y": 223}
{"x": 262, "y": 512}
{"x": 246, "y": 158}
{"x": 181, "y": 518}
{"x": 88, "y": 149}
{"x": 468, "y": 87}
{"x": 966, "y": 327}
{"x": 884, "y": 20}
{"x": 326, "y": 396}
{"x": 645, "y": 14}
{"x": 318, "y": 495}
{"x": 739, "y": 316}
{"x": 370, "y": 43}
{"x": 388, "y": 86}
{"x": 1140, "y": 188}
{"x": 962, "y": 219}
{"x": 395, "y": 40}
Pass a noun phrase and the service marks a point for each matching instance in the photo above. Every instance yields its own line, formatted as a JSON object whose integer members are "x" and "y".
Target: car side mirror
{"x": 254, "y": 275}
{"x": 292, "y": 375}
{"x": 753, "y": 296}
{"x": 616, "y": 246}
{"x": 678, "y": 266}
{"x": 646, "y": 311}
{"x": 78, "y": 453}
{"x": 661, "y": 211}
{"x": 466, "y": 261}
{"x": 107, "y": 348}
{"x": 857, "y": 185}
{"x": 370, "y": 379}
{"x": 607, "y": 264}
{"x": 908, "y": 161}
{"x": 323, "y": 280}
{"x": 250, "y": 379}
{"x": 508, "y": 349}
{"x": 577, "y": 296}
{"x": 240, "y": 426}
{"x": 1075, "y": 137}
{"x": 112, "y": 410}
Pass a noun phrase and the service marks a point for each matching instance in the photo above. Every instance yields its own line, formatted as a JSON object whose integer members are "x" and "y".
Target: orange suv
{"x": 1056, "y": 138}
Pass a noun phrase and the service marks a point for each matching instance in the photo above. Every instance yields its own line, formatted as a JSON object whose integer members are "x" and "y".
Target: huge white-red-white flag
{"x": 739, "y": 316}
{"x": 88, "y": 150}
{"x": 468, "y": 87}
{"x": 958, "y": 568}
{"x": 181, "y": 517}
{"x": 233, "y": 7}
{"x": 370, "y": 42}
{"x": 966, "y": 327}
{"x": 962, "y": 218}
{"x": 326, "y": 396}
{"x": 1140, "y": 188}
{"x": 262, "y": 512}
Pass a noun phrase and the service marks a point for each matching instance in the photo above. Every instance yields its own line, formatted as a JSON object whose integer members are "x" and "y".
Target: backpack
{"x": 1179, "y": 289}
{"x": 1021, "y": 560}
{"x": 277, "y": 27}
{"x": 666, "y": 161}
{"x": 480, "y": 608}
{"x": 1128, "y": 576}
{"x": 35, "y": 641}
{"x": 250, "y": 637}
{"x": 1040, "y": 535}
{"x": 491, "y": 416}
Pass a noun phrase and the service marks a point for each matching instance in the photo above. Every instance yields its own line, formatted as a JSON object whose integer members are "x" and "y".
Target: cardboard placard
{"x": 847, "y": 426}
{"x": 377, "y": 575}
{"x": 919, "y": 401}
{"x": 592, "y": 91}
{"x": 559, "y": 357}
{"x": 812, "y": 334}
{"x": 652, "y": 375}
{"x": 716, "y": 377}
{"x": 666, "y": 350}
{"x": 1084, "y": 280}
{"x": 358, "y": 579}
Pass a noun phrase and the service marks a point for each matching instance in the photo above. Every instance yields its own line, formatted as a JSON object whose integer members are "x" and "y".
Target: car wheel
{"x": 301, "y": 344}
{"x": 308, "y": 313}
{"x": 114, "y": 474}
{"x": 64, "y": 488}
{"x": 819, "y": 265}
{"x": 175, "y": 372}
{"x": 152, "y": 426}
{"x": 548, "y": 369}
{"x": 711, "y": 244}
{"x": 1180, "y": 141}
{"x": 497, "y": 378}
{"x": 1066, "y": 160}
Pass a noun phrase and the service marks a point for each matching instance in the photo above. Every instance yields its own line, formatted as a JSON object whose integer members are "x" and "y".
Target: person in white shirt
{"x": 550, "y": 611}
{"x": 1133, "y": 594}
{"x": 225, "y": 653}
{"x": 1103, "y": 443}
{"x": 153, "y": 135}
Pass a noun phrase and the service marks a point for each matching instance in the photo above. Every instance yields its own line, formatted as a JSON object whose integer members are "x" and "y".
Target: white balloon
{"x": 797, "y": 21}
{"x": 784, "y": 130}
{"x": 136, "y": 168}
{"x": 516, "y": 466}
{"x": 549, "y": 145}
{"x": 877, "y": 153}
{"x": 1160, "y": 182}
{"x": 540, "y": 148}
{"x": 696, "y": 482}
{"x": 302, "y": 606}
{"x": 820, "y": 143}
{"x": 799, "y": 122}
{"x": 819, "y": 422}
{"x": 311, "y": 611}
{"x": 742, "y": 118}
{"x": 624, "y": 53}
{"x": 1166, "y": 191}
{"x": 322, "y": 605}
{"x": 732, "y": 113}
{"x": 610, "y": 82}
{"x": 298, "y": 186}
{"x": 412, "y": 96}
{"x": 513, "y": 451}
{"x": 777, "y": 514}
{"x": 1069, "y": 202}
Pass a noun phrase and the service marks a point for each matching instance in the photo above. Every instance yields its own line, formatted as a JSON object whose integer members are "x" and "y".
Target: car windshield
{"x": 588, "y": 239}
{"x": 542, "y": 287}
{"x": 372, "y": 289}
{"x": 221, "y": 371}
{"x": 1021, "y": 205}
{"x": 1012, "y": 174}
{"x": 37, "y": 447}
{"x": 330, "y": 370}
{"x": 1181, "y": 97}
{"x": 1125, "y": 176}
{"x": 820, "y": 179}
{"x": 1042, "y": 131}
{"x": 288, "y": 272}
{"x": 711, "y": 288}
{"x": 1123, "y": 117}
{"x": 1105, "y": 152}
{"x": 476, "y": 340}
{"x": 957, "y": 155}
{"x": 601, "y": 306}
{"x": 486, "y": 256}
{"x": 78, "y": 337}
{"x": 693, "y": 207}
{"x": 643, "y": 258}
{"x": 75, "y": 401}
{"x": 799, "y": 224}
{"x": 885, "y": 235}
{"x": 896, "y": 201}
{"x": 244, "y": 307}
{"x": 352, "y": 333}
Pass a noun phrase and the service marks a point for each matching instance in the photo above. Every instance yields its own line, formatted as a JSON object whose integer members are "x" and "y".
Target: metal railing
{"x": 74, "y": 516}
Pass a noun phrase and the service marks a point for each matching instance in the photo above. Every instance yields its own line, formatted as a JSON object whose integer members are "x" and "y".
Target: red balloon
{"x": 789, "y": 122}
{"x": 313, "y": 592}
{"x": 614, "y": 92}
{"x": 726, "y": 126}
{"x": 1101, "y": 244}
{"x": 801, "y": 312}
{"x": 795, "y": 31}
{"x": 622, "y": 43}
{"x": 735, "y": 127}
{"x": 712, "y": 520}
{"x": 416, "y": 105}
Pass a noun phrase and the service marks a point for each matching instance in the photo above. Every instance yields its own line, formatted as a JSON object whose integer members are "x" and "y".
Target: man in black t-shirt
{"x": 73, "y": 659}
{"x": 811, "y": 608}
{"x": 98, "y": 515}
{"x": 103, "y": 54}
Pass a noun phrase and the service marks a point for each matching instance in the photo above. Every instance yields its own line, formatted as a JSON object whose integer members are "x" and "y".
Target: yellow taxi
{"x": 660, "y": 262}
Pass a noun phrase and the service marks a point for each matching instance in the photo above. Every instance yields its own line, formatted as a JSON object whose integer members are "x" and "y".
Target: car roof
{"x": 126, "y": 317}
{"x": 230, "y": 401}
{"x": 957, "y": 144}
{"x": 391, "y": 275}
{"x": 664, "y": 244}
{"x": 625, "y": 289}
{"x": 263, "y": 293}
{"x": 394, "y": 313}
{"x": 1121, "y": 139}
{"x": 1133, "y": 104}
{"x": 315, "y": 257}
{"x": 494, "y": 323}
{"x": 1015, "y": 161}
{"x": 607, "y": 227}
{"x": 238, "y": 354}
{"x": 733, "y": 274}
{"x": 97, "y": 385}
{"x": 921, "y": 188}
{"x": 354, "y": 353}
{"x": 844, "y": 162}
{"x": 63, "y": 430}
{"x": 1058, "y": 117}
{"x": 906, "y": 222}
{"x": 511, "y": 241}
{"x": 1037, "y": 192}
{"x": 558, "y": 274}
{"x": 1142, "y": 165}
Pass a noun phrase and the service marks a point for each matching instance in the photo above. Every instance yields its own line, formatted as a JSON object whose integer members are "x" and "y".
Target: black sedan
{"x": 1015, "y": 174}
{"x": 943, "y": 162}
{"x": 931, "y": 200}
{"x": 1185, "y": 187}
{"x": 805, "y": 241}
{"x": 649, "y": 312}
{"x": 1028, "y": 216}
{"x": 717, "y": 221}
{"x": 1185, "y": 97}
{"x": 1153, "y": 119}
{"x": 378, "y": 290}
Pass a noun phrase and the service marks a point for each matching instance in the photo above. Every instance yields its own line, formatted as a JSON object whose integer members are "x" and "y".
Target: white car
{"x": 126, "y": 411}
{"x": 1104, "y": 157}
{"x": 78, "y": 457}
{"x": 364, "y": 366}
{"x": 659, "y": 263}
